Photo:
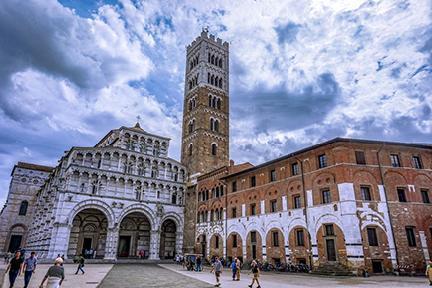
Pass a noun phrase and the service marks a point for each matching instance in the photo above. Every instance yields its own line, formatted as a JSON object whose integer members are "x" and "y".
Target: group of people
{"x": 54, "y": 277}
{"x": 235, "y": 268}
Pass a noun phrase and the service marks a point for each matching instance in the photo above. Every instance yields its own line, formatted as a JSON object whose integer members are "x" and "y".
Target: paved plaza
{"x": 171, "y": 275}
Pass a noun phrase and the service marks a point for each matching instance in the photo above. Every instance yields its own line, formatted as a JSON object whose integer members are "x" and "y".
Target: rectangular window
{"x": 401, "y": 195}
{"x": 300, "y": 237}
{"x": 272, "y": 175}
{"x": 417, "y": 163}
{"x": 360, "y": 157}
{"x": 234, "y": 240}
{"x": 329, "y": 230}
{"x": 372, "y": 237}
{"x": 295, "y": 169}
{"x": 410, "y": 236}
{"x": 326, "y": 196}
{"x": 234, "y": 212}
{"x": 253, "y": 209}
{"x": 322, "y": 161}
{"x": 275, "y": 238}
{"x": 296, "y": 201}
{"x": 394, "y": 159}
{"x": 234, "y": 186}
{"x": 425, "y": 195}
{"x": 365, "y": 193}
{"x": 253, "y": 181}
{"x": 253, "y": 236}
{"x": 273, "y": 206}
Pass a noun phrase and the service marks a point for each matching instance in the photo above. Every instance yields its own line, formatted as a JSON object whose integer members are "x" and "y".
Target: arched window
{"x": 158, "y": 194}
{"x": 212, "y": 59}
{"x": 218, "y": 103}
{"x": 210, "y": 100}
{"x": 216, "y": 80}
{"x": 208, "y": 77}
{"x": 190, "y": 105}
{"x": 214, "y": 102}
{"x": 190, "y": 149}
{"x": 214, "y": 149}
{"x": 211, "y": 124}
{"x": 220, "y": 63}
{"x": 23, "y": 208}
{"x": 174, "y": 198}
{"x": 216, "y": 60}
{"x": 220, "y": 83}
{"x": 216, "y": 125}
{"x": 212, "y": 80}
{"x": 191, "y": 65}
{"x": 190, "y": 84}
{"x": 209, "y": 56}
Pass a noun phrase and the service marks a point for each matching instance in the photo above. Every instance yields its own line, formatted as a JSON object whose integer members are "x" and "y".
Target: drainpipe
{"x": 305, "y": 212}
{"x": 388, "y": 208}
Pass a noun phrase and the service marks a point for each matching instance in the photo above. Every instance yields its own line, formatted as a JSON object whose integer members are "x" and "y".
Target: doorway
{"x": 377, "y": 266}
{"x": 15, "y": 243}
{"x": 124, "y": 246}
{"x": 331, "y": 250}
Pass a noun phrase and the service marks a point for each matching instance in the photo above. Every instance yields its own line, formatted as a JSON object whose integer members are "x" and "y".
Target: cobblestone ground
{"x": 148, "y": 275}
{"x": 288, "y": 280}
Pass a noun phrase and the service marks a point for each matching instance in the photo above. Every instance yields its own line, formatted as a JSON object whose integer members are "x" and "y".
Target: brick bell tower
{"x": 205, "y": 136}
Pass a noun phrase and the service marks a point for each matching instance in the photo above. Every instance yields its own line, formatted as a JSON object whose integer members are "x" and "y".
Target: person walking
{"x": 234, "y": 269}
{"x": 29, "y": 268}
{"x": 238, "y": 265}
{"x": 198, "y": 264}
{"x": 55, "y": 275}
{"x": 15, "y": 267}
{"x": 217, "y": 268}
{"x": 429, "y": 272}
{"x": 255, "y": 271}
{"x": 81, "y": 261}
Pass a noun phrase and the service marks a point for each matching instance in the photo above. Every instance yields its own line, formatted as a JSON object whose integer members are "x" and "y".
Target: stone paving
{"x": 148, "y": 275}
{"x": 91, "y": 279}
{"x": 279, "y": 280}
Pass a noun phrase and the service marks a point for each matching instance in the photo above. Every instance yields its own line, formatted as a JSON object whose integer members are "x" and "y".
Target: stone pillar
{"x": 154, "y": 244}
{"x": 111, "y": 243}
{"x": 244, "y": 248}
{"x": 59, "y": 240}
{"x": 264, "y": 252}
{"x": 208, "y": 245}
{"x": 179, "y": 242}
{"x": 424, "y": 246}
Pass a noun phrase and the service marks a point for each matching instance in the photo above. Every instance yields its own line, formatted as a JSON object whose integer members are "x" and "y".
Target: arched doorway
{"x": 88, "y": 234}
{"x": 16, "y": 237}
{"x": 275, "y": 247}
{"x": 201, "y": 245}
{"x": 134, "y": 236}
{"x": 299, "y": 244}
{"x": 216, "y": 245}
{"x": 167, "y": 240}
{"x": 254, "y": 246}
{"x": 331, "y": 244}
{"x": 234, "y": 247}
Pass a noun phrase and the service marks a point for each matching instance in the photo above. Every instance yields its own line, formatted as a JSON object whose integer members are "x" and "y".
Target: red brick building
{"x": 355, "y": 203}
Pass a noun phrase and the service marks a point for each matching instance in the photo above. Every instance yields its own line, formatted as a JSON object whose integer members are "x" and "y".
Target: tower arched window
{"x": 190, "y": 149}
{"x": 218, "y": 103}
{"x": 208, "y": 77}
{"x": 191, "y": 65}
{"x": 190, "y": 105}
{"x": 211, "y": 124}
{"x": 220, "y": 83}
{"x": 174, "y": 198}
{"x": 216, "y": 125}
{"x": 212, "y": 59}
{"x": 214, "y": 149}
{"x": 190, "y": 85}
{"x": 209, "y": 57}
{"x": 210, "y": 100}
{"x": 212, "y": 80}
{"x": 23, "y": 208}
{"x": 216, "y": 80}
{"x": 220, "y": 63}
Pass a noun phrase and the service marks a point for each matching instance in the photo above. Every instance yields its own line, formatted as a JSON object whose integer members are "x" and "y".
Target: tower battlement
{"x": 209, "y": 38}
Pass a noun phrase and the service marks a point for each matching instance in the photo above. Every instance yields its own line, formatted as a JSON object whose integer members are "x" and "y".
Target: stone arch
{"x": 176, "y": 218}
{"x": 16, "y": 237}
{"x": 216, "y": 245}
{"x": 141, "y": 208}
{"x": 331, "y": 243}
{"x": 234, "y": 246}
{"x": 92, "y": 204}
{"x": 376, "y": 251}
{"x": 134, "y": 234}
{"x": 254, "y": 246}
{"x": 299, "y": 244}
{"x": 275, "y": 246}
{"x": 168, "y": 238}
{"x": 366, "y": 178}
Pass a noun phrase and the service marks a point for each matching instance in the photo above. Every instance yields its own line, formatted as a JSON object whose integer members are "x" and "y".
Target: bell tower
{"x": 205, "y": 135}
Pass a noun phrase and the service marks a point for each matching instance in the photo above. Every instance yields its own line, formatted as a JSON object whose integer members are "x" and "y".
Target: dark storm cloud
{"x": 279, "y": 109}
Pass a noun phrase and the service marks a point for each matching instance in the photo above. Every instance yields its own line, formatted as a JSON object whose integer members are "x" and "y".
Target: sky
{"x": 302, "y": 72}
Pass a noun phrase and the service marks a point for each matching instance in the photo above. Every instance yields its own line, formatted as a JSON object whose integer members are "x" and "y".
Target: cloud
{"x": 301, "y": 72}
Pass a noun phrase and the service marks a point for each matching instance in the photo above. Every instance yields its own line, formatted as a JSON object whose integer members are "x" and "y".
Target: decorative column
{"x": 244, "y": 247}
{"x": 179, "y": 242}
{"x": 154, "y": 244}
{"x": 111, "y": 243}
{"x": 59, "y": 240}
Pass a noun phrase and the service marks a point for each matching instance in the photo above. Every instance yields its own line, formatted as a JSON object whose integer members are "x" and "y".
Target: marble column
{"x": 111, "y": 243}
{"x": 154, "y": 244}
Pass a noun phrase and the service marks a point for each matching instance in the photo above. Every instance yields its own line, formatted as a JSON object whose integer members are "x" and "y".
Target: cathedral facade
{"x": 124, "y": 197}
